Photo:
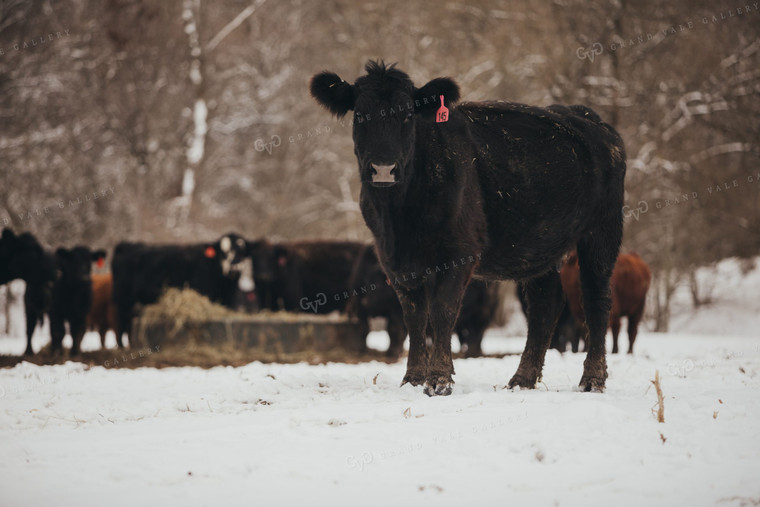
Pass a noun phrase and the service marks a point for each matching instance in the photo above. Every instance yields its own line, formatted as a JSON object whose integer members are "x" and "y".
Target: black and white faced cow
{"x": 492, "y": 189}
{"x": 141, "y": 272}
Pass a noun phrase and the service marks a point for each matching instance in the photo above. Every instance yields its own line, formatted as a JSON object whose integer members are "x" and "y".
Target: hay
{"x": 184, "y": 306}
{"x": 179, "y": 307}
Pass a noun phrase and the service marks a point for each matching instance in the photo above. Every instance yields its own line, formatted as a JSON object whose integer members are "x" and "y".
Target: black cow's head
{"x": 75, "y": 264}
{"x": 21, "y": 256}
{"x": 387, "y": 106}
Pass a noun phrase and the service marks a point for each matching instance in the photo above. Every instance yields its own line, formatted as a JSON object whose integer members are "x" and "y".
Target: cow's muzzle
{"x": 383, "y": 175}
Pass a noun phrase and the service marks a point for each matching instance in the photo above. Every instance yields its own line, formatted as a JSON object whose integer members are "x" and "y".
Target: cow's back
{"x": 541, "y": 170}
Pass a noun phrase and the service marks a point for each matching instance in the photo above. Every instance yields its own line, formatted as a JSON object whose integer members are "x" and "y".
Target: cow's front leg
{"x": 445, "y": 305}
{"x": 414, "y": 303}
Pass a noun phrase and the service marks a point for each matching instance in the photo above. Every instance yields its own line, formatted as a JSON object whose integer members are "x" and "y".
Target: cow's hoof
{"x": 439, "y": 386}
{"x": 592, "y": 384}
{"x": 521, "y": 382}
{"x": 413, "y": 378}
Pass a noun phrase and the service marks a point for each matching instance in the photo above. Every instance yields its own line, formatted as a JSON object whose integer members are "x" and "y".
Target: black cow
{"x": 275, "y": 275}
{"x": 510, "y": 186}
{"x": 141, "y": 272}
{"x": 376, "y": 298}
{"x": 304, "y": 276}
{"x": 21, "y": 256}
{"x": 72, "y": 296}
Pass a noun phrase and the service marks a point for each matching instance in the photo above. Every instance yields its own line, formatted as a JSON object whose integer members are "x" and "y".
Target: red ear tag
{"x": 210, "y": 252}
{"x": 101, "y": 262}
{"x": 282, "y": 261}
{"x": 442, "y": 115}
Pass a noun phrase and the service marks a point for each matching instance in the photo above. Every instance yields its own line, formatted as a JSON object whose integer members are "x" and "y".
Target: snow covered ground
{"x": 338, "y": 434}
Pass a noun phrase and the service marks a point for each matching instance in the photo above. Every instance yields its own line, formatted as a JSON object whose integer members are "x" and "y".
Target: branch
{"x": 232, "y": 25}
{"x": 660, "y": 402}
{"x": 720, "y": 149}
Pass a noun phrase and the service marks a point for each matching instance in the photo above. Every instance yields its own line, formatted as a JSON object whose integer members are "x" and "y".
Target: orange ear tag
{"x": 210, "y": 252}
{"x": 101, "y": 262}
{"x": 442, "y": 115}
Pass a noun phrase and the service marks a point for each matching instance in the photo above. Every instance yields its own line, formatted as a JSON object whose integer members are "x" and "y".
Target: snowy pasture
{"x": 336, "y": 434}
{"x": 340, "y": 434}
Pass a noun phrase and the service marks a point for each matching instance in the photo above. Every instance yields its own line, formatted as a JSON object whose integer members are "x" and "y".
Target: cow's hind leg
{"x": 397, "y": 334}
{"x": 77, "y": 327}
{"x": 596, "y": 255}
{"x": 57, "y": 332}
{"x": 615, "y": 326}
{"x": 35, "y": 307}
{"x": 474, "y": 340}
{"x": 124, "y": 325}
{"x": 633, "y": 328}
{"x": 544, "y": 297}
{"x": 31, "y": 324}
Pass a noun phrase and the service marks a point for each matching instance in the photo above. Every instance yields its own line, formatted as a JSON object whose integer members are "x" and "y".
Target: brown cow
{"x": 102, "y": 316}
{"x": 629, "y": 284}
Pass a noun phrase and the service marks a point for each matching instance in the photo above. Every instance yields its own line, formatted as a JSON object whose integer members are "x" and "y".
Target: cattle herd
{"x": 457, "y": 197}
{"x": 301, "y": 276}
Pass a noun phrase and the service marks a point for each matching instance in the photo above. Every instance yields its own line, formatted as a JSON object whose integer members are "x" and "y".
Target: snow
{"x": 227, "y": 436}
{"x": 735, "y": 309}
{"x": 337, "y": 434}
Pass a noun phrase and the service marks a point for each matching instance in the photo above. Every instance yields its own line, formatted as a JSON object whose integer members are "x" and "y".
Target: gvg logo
{"x": 595, "y": 50}
{"x": 313, "y": 305}
{"x": 680, "y": 369}
{"x": 364, "y": 459}
{"x": 642, "y": 208}
{"x": 274, "y": 142}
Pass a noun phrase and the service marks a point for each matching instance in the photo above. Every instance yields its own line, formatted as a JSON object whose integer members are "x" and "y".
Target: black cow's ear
{"x": 428, "y": 97}
{"x": 210, "y": 252}
{"x": 63, "y": 253}
{"x": 99, "y": 256}
{"x": 333, "y": 93}
{"x": 8, "y": 234}
{"x": 281, "y": 256}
